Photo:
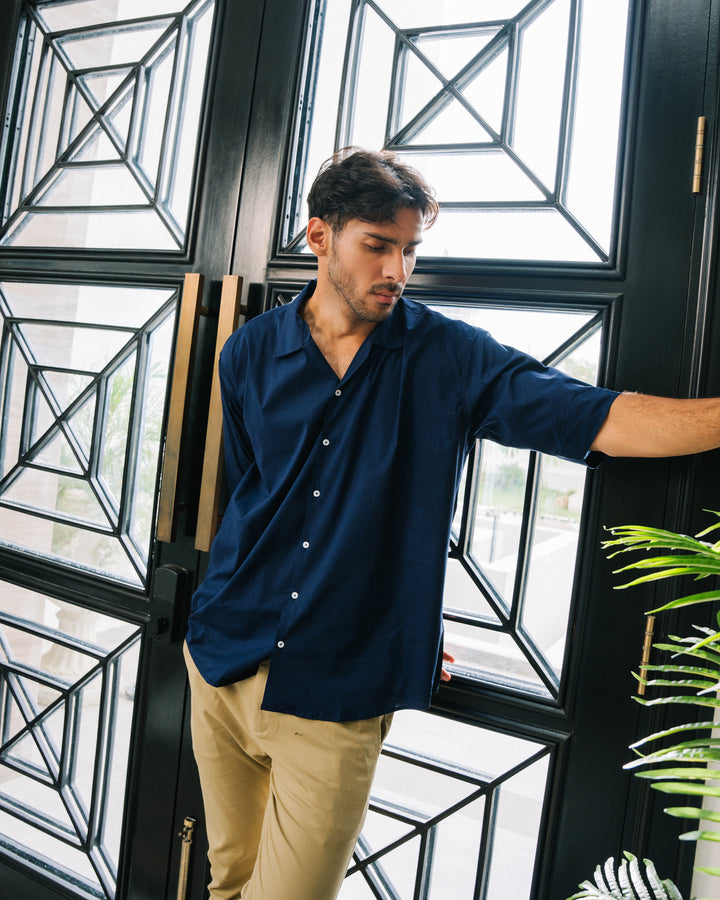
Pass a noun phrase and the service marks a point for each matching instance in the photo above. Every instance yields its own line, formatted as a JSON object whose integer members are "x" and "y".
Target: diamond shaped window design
{"x": 65, "y": 723}
{"x": 512, "y": 111}
{"x": 451, "y": 804}
{"x": 105, "y": 118}
{"x": 514, "y": 543}
{"x": 83, "y": 380}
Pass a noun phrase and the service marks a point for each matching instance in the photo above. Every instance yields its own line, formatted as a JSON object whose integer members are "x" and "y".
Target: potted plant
{"x": 682, "y": 760}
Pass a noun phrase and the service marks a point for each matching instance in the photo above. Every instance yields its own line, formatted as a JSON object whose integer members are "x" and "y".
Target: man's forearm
{"x": 642, "y": 425}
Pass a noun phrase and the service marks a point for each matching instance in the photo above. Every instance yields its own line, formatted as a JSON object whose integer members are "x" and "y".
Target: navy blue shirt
{"x": 330, "y": 559}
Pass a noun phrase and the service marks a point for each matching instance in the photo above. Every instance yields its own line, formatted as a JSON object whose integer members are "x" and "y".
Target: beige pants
{"x": 285, "y": 798}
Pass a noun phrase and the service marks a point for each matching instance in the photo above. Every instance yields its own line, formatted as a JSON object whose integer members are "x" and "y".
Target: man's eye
{"x": 376, "y": 247}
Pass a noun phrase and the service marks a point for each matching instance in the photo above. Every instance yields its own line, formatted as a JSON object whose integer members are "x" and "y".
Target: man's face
{"x": 370, "y": 262}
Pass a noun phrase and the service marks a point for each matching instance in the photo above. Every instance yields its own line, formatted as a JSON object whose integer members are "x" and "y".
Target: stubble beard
{"x": 346, "y": 287}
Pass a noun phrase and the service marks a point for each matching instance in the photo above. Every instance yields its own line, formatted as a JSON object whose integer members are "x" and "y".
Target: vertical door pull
{"x": 699, "y": 152}
{"x": 230, "y": 310}
{"x": 179, "y": 397}
{"x": 187, "y": 835}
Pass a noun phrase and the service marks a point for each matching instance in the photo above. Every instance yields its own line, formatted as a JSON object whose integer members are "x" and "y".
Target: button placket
{"x": 321, "y": 462}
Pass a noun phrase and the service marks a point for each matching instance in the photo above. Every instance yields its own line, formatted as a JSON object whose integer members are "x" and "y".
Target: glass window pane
{"x": 541, "y": 234}
{"x": 106, "y": 123}
{"x": 463, "y": 596}
{"x": 83, "y": 380}
{"x": 446, "y": 814}
{"x": 426, "y": 13}
{"x": 485, "y": 105}
{"x": 553, "y": 552}
{"x": 509, "y": 583}
{"x": 69, "y": 677}
{"x": 498, "y": 516}
{"x": 534, "y": 331}
{"x": 494, "y": 657}
{"x": 518, "y": 814}
{"x": 593, "y": 162}
{"x": 540, "y": 91}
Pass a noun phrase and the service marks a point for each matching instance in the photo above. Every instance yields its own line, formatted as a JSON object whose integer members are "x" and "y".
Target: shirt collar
{"x": 291, "y": 332}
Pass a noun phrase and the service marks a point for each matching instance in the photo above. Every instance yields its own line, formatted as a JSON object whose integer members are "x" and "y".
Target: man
{"x": 348, "y": 415}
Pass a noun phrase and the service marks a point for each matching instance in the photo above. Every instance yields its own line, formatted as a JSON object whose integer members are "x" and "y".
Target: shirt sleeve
{"x": 237, "y": 445}
{"x": 513, "y": 399}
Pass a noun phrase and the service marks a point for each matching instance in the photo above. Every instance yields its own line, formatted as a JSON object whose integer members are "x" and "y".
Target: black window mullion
{"x": 576, "y": 340}
{"x": 568, "y": 102}
{"x": 168, "y": 148}
{"x": 305, "y": 105}
{"x": 490, "y": 816}
{"x": 526, "y": 535}
{"x": 509, "y": 115}
{"x": 351, "y": 65}
{"x": 133, "y": 448}
{"x": 9, "y": 156}
{"x": 426, "y": 858}
{"x": 28, "y": 163}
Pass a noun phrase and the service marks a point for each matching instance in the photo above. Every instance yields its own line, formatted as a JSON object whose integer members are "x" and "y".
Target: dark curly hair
{"x": 370, "y": 186}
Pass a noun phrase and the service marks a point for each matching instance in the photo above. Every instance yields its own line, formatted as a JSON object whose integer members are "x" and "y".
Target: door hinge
{"x": 647, "y": 646}
{"x": 699, "y": 150}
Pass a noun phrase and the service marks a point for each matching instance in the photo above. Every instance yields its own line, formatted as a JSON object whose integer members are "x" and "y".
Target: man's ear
{"x": 319, "y": 236}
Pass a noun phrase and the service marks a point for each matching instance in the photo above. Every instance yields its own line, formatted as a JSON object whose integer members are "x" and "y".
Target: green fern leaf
{"x": 630, "y": 883}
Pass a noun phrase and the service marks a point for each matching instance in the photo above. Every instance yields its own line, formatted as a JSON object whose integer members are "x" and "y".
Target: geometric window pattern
{"x": 456, "y": 810}
{"x": 83, "y": 381}
{"x": 511, "y": 109}
{"x": 104, "y": 112}
{"x": 65, "y": 722}
{"x": 514, "y": 542}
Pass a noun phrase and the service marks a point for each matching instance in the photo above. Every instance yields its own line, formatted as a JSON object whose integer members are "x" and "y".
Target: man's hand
{"x": 641, "y": 425}
{"x": 446, "y": 676}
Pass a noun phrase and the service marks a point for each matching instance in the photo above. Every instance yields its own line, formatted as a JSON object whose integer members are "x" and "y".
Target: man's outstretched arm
{"x": 642, "y": 425}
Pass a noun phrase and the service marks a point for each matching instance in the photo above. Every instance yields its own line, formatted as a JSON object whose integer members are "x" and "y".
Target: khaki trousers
{"x": 285, "y": 798}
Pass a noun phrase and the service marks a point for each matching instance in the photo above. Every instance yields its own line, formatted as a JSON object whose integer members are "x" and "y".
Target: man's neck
{"x": 337, "y": 335}
{"x": 329, "y": 317}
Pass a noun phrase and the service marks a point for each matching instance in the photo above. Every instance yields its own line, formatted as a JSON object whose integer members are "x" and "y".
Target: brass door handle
{"x": 187, "y": 836}
{"x": 179, "y": 397}
{"x": 230, "y": 310}
{"x": 647, "y": 647}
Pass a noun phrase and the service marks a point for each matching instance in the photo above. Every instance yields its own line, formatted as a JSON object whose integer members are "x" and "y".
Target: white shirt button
{"x": 294, "y": 595}
{"x": 306, "y": 544}
{"x": 316, "y": 493}
{"x": 338, "y": 392}
{"x": 281, "y": 644}
{"x": 326, "y": 443}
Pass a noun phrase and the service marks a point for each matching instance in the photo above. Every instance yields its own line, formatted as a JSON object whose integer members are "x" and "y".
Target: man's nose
{"x": 396, "y": 266}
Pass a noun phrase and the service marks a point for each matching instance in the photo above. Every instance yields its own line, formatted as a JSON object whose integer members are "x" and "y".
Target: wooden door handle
{"x": 179, "y": 397}
{"x": 230, "y": 310}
